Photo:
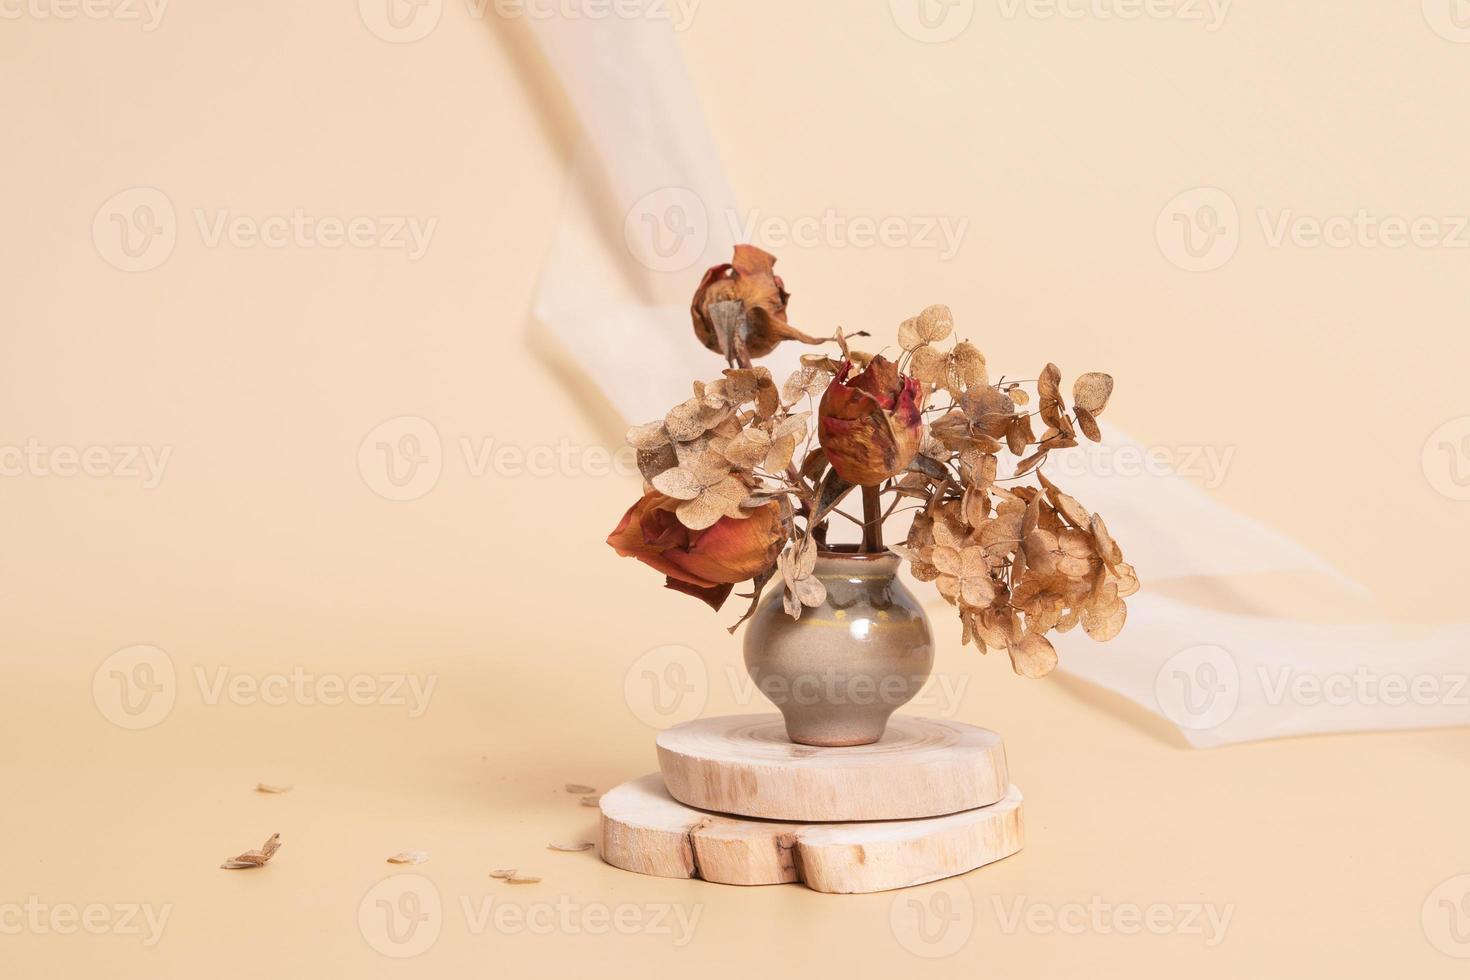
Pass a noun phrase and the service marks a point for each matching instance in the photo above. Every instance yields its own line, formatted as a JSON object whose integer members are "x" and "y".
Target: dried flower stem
{"x": 872, "y": 521}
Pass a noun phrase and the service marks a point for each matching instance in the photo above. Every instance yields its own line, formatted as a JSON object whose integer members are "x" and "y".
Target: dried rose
{"x": 741, "y": 307}
{"x": 870, "y": 426}
{"x": 704, "y": 563}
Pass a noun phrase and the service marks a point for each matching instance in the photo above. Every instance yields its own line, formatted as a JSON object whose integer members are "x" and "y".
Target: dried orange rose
{"x": 706, "y": 563}
{"x": 740, "y": 307}
{"x": 870, "y": 426}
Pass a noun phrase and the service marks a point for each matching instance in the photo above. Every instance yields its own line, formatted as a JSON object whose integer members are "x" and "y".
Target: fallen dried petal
{"x": 564, "y": 845}
{"x": 409, "y": 857}
{"x": 591, "y": 800}
{"x": 256, "y": 858}
{"x": 504, "y": 873}
{"x": 520, "y": 879}
{"x": 580, "y": 790}
{"x": 268, "y": 788}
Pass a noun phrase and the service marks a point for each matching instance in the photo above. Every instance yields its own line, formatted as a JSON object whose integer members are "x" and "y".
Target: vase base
{"x": 748, "y": 766}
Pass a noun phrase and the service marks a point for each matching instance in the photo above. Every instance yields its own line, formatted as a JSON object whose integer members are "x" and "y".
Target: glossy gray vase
{"x": 840, "y": 671}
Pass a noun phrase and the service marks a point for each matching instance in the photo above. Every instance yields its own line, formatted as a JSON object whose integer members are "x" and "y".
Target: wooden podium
{"x": 737, "y": 803}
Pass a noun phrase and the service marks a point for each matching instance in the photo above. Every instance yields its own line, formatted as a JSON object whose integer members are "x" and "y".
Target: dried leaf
{"x": 269, "y": 788}
{"x": 1019, "y": 435}
{"x": 1091, "y": 392}
{"x": 1030, "y": 462}
{"x": 256, "y": 858}
{"x": 1047, "y": 386}
{"x": 652, "y": 462}
{"x": 1107, "y": 548}
{"x": 1087, "y": 424}
{"x": 802, "y": 587}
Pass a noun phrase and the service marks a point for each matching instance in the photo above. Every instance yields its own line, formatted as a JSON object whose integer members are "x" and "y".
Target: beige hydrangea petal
{"x": 700, "y": 513}
{"x": 930, "y": 366}
{"x": 780, "y": 455}
{"x": 678, "y": 483}
{"x": 649, "y": 436}
{"x": 1107, "y": 548}
{"x": 1104, "y": 620}
{"x": 808, "y": 381}
{"x": 1088, "y": 424}
{"x": 936, "y": 322}
{"x": 749, "y": 449}
{"x": 968, "y": 367}
{"x": 687, "y": 420}
{"x": 910, "y": 336}
{"x": 1091, "y": 392}
{"x": 1033, "y": 656}
{"x": 977, "y": 592}
{"x": 946, "y": 558}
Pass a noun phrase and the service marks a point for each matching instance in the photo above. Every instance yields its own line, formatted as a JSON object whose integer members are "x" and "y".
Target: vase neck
{"x": 840, "y": 563}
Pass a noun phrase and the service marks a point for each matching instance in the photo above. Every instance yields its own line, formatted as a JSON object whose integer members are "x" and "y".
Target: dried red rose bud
{"x": 740, "y": 307}
{"x": 870, "y": 426}
{"x": 705, "y": 564}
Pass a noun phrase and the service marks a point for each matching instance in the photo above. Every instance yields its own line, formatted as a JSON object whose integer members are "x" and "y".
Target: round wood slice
{"x": 646, "y": 830}
{"x": 745, "y": 765}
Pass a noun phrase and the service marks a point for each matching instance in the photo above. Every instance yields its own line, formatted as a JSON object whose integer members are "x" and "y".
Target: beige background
{"x": 265, "y": 548}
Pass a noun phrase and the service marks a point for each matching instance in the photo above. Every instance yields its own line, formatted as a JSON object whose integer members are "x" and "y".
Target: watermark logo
{"x": 39, "y": 460}
{"x": 934, "y": 922}
{"x": 1206, "y": 921}
{"x": 1199, "y": 687}
{"x": 136, "y": 687}
{"x": 666, "y": 686}
{"x": 143, "y": 921}
{"x": 148, "y": 13}
{"x": 1199, "y": 230}
{"x": 668, "y": 229}
{"x": 1363, "y": 229}
{"x": 1206, "y": 465}
{"x": 1450, "y": 19}
{"x": 401, "y": 916}
{"x": 301, "y": 687}
{"x": 401, "y": 21}
{"x": 1446, "y": 459}
{"x": 1210, "y": 13}
{"x": 136, "y": 229}
{"x": 932, "y": 21}
{"x": 1446, "y": 917}
{"x": 568, "y": 917}
{"x": 402, "y": 458}
{"x": 944, "y": 234}
{"x": 1363, "y": 687}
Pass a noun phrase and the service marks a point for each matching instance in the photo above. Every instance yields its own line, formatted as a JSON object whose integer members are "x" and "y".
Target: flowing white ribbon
{"x": 640, "y": 227}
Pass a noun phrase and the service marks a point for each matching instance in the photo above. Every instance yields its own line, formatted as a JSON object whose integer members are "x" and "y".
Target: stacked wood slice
{"x": 736, "y": 802}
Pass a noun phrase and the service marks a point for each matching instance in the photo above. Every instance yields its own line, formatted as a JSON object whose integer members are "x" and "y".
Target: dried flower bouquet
{"x": 735, "y": 491}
